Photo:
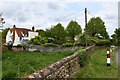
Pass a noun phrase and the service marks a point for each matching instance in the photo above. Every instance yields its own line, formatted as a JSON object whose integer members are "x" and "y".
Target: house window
{"x": 26, "y": 35}
{"x": 20, "y": 38}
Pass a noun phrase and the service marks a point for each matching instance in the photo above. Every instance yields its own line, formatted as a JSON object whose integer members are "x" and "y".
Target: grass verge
{"x": 97, "y": 68}
{"x": 19, "y": 64}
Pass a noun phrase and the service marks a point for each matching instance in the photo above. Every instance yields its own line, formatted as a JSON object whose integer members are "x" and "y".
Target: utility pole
{"x": 85, "y": 27}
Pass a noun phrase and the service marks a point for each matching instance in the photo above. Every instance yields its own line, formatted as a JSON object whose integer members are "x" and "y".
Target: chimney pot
{"x": 33, "y": 28}
{"x": 14, "y": 26}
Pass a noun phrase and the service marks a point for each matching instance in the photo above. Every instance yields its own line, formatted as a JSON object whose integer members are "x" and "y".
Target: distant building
{"x": 18, "y": 35}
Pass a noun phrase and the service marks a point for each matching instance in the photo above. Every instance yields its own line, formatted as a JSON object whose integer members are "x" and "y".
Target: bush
{"x": 38, "y": 40}
{"x": 50, "y": 45}
{"x": 67, "y": 44}
{"x": 101, "y": 42}
{"x": 77, "y": 44}
{"x": 83, "y": 58}
{"x": 20, "y": 45}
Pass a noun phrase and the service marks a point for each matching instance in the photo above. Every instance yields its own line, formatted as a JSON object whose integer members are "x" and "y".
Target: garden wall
{"x": 50, "y": 49}
{"x": 64, "y": 68}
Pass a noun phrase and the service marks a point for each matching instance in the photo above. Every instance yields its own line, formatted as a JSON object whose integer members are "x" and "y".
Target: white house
{"x": 17, "y": 35}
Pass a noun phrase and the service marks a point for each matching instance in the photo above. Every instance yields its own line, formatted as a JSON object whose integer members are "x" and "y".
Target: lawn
{"x": 20, "y": 64}
{"x": 97, "y": 66}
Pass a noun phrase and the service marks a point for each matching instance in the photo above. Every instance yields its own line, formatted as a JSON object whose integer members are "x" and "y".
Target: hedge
{"x": 49, "y": 45}
{"x": 67, "y": 44}
{"x": 20, "y": 45}
{"x": 83, "y": 57}
{"x": 101, "y": 42}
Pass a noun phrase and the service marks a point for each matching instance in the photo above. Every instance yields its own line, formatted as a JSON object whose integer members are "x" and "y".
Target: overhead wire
{"x": 69, "y": 15}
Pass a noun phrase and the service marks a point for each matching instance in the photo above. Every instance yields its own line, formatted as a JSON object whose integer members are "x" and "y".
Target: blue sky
{"x": 43, "y": 15}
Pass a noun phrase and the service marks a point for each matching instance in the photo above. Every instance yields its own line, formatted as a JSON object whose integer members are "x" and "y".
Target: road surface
{"x": 118, "y": 56}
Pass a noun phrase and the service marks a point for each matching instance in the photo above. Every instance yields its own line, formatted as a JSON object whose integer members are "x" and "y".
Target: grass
{"x": 20, "y": 64}
{"x": 97, "y": 66}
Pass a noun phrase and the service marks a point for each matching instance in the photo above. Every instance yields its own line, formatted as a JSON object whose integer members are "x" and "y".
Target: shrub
{"x": 83, "y": 58}
{"x": 101, "y": 42}
{"x": 50, "y": 45}
{"x": 67, "y": 44}
{"x": 38, "y": 40}
{"x": 20, "y": 45}
{"x": 77, "y": 44}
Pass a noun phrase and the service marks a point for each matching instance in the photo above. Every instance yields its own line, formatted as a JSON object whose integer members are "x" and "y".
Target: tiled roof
{"x": 20, "y": 32}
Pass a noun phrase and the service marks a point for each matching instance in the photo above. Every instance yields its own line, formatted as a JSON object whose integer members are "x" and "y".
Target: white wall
{"x": 32, "y": 34}
{"x": 17, "y": 40}
{"x": 8, "y": 36}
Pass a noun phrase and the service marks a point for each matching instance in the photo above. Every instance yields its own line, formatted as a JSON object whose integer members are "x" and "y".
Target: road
{"x": 118, "y": 56}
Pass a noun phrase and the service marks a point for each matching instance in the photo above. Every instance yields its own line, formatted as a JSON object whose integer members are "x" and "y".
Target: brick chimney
{"x": 33, "y": 28}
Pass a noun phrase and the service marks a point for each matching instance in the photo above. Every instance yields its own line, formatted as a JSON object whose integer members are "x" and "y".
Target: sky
{"x": 45, "y": 14}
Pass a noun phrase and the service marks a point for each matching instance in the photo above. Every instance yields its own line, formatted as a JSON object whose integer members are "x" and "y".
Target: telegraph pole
{"x": 85, "y": 27}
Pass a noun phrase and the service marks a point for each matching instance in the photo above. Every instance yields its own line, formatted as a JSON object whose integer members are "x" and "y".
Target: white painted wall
{"x": 8, "y": 36}
{"x": 32, "y": 34}
{"x": 17, "y": 40}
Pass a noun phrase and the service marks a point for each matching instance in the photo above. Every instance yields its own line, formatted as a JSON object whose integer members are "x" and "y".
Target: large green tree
{"x": 116, "y": 36}
{"x": 58, "y": 32}
{"x": 73, "y": 29}
{"x": 41, "y": 32}
{"x": 96, "y": 26}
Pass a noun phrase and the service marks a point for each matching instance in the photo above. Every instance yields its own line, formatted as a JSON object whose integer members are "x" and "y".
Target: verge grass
{"x": 20, "y": 64}
{"x": 97, "y": 68}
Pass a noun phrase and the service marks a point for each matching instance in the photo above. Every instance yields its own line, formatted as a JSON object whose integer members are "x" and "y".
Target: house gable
{"x": 17, "y": 34}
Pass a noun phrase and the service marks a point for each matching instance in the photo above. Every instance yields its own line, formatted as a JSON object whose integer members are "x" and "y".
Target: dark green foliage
{"x": 58, "y": 32}
{"x": 101, "y": 42}
{"x": 96, "y": 26}
{"x": 83, "y": 56}
{"x": 20, "y": 45}
{"x": 76, "y": 43}
{"x": 41, "y": 32}
{"x": 4, "y": 33}
{"x": 73, "y": 29}
{"x": 38, "y": 40}
{"x": 50, "y": 45}
{"x": 116, "y": 37}
{"x": 82, "y": 39}
{"x": 67, "y": 44}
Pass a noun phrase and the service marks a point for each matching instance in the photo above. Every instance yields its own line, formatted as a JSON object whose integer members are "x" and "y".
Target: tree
{"x": 73, "y": 29}
{"x": 96, "y": 26}
{"x": 41, "y": 32}
{"x": 58, "y": 32}
{"x": 4, "y": 33}
{"x": 116, "y": 36}
{"x": 1, "y": 19}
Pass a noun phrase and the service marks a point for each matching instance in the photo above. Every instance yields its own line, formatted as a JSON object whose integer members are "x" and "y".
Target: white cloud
{"x": 109, "y": 14}
{"x": 44, "y": 14}
{"x": 59, "y": 0}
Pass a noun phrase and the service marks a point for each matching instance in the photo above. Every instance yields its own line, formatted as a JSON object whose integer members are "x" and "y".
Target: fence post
{"x": 108, "y": 57}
